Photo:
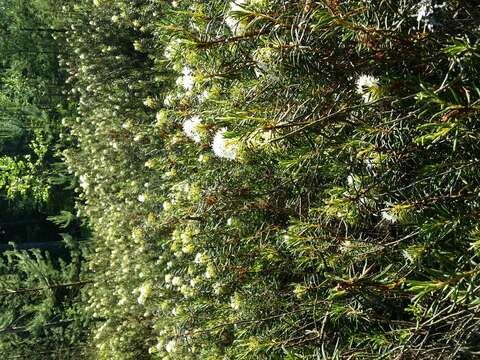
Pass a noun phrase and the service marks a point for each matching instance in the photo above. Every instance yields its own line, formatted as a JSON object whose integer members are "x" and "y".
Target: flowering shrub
{"x": 278, "y": 179}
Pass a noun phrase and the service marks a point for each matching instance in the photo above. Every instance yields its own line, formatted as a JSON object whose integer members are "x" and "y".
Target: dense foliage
{"x": 276, "y": 179}
{"x": 41, "y": 317}
{"x": 41, "y": 312}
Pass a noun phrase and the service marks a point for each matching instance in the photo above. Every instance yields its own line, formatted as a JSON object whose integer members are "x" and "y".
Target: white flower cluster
{"x": 223, "y": 147}
{"x": 201, "y": 258}
{"x": 168, "y": 100}
{"x": 172, "y": 49}
{"x": 144, "y": 292}
{"x": 187, "y": 79}
{"x": 191, "y": 128}
{"x": 171, "y": 346}
{"x": 367, "y": 85}
{"x": 84, "y": 184}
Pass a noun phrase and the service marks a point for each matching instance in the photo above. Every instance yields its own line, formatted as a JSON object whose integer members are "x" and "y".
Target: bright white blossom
{"x": 171, "y": 346}
{"x": 171, "y": 48}
{"x": 167, "y": 101}
{"x": 84, "y": 181}
{"x": 186, "y": 80}
{"x": 176, "y": 281}
{"x": 145, "y": 290}
{"x": 191, "y": 127}
{"x": 366, "y": 86}
{"x": 200, "y": 258}
{"x": 223, "y": 147}
{"x": 188, "y": 249}
{"x": 137, "y": 45}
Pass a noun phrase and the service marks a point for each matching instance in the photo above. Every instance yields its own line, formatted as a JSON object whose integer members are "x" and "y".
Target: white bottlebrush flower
{"x": 223, "y": 147}
{"x": 200, "y": 258}
{"x": 145, "y": 290}
{"x": 172, "y": 48}
{"x": 425, "y": 9}
{"x": 188, "y": 249}
{"x": 150, "y": 163}
{"x": 186, "y": 80}
{"x": 84, "y": 181}
{"x": 218, "y": 288}
{"x": 122, "y": 301}
{"x": 203, "y": 158}
{"x": 171, "y": 346}
{"x": 367, "y": 85}
{"x": 346, "y": 246}
{"x": 127, "y": 125}
{"x": 167, "y": 101}
{"x": 176, "y": 281}
{"x": 190, "y": 128}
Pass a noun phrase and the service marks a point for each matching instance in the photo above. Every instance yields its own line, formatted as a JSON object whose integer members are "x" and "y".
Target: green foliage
{"x": 42, "y": 312}
{"x": 40, "y": 307}
{"x": 277, "y": 179}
